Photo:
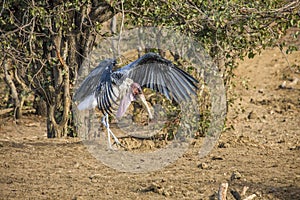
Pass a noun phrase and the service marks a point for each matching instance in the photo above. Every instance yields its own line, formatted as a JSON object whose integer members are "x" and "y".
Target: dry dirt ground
{"x": 261, "y": 152}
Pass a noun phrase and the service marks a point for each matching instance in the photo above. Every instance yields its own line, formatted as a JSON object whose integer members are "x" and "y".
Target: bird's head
{"x": 136, "y": 89}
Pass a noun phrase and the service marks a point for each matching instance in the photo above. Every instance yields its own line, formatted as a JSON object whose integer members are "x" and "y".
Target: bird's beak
{"x": 125, "y": 102}
{"x": 143, "y": 99}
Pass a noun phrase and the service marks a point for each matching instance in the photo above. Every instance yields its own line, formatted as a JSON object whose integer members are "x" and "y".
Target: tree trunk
{"x": 17, "y": 100}
{"x": 19, "y": 108}
{"x": 113, "y": 29}
{"x": 55, "y": 130}
{"x": 59, "y": 109}
{"x": 52, "y": 130}
{"x": 40, "y": 106}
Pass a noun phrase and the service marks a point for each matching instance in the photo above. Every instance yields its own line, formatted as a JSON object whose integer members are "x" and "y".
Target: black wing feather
{"x": 99, "y": 84}
{"x": 91, "y": 82}
{"x": 159, "y": 74}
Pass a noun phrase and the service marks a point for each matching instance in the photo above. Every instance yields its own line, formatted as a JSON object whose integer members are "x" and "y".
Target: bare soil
{"x": 260, "y": 150}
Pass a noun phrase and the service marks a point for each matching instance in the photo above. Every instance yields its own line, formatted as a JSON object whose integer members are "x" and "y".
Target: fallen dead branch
{"x": 222, "y": 193}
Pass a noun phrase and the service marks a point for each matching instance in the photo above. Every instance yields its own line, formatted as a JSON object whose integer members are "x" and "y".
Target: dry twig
{"x": 222, "y": 191}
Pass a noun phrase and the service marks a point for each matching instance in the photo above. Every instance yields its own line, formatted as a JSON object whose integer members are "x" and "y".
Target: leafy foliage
{"x": 227, "y": 29}
{"x": 45, "y": 42}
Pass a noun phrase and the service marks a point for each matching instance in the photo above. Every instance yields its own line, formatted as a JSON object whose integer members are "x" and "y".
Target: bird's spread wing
{"x": 159, "y": 74}
{"x": 96, "y": 89}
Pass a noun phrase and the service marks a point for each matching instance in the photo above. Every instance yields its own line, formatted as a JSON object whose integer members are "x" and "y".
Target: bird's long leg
{"x": 109, "y": 132}
{"x": 105, "y": 123}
